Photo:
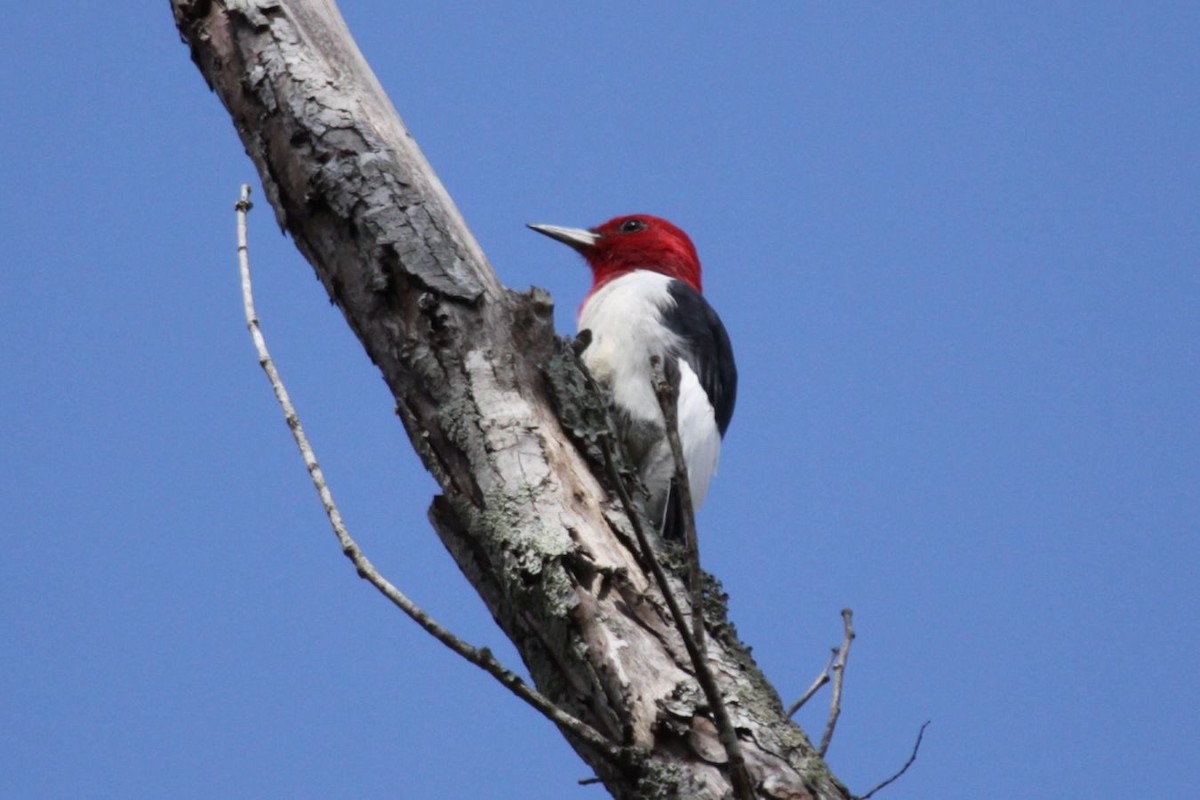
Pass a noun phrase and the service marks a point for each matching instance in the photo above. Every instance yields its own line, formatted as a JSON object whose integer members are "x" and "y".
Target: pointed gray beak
{"x": 578, "y": 238}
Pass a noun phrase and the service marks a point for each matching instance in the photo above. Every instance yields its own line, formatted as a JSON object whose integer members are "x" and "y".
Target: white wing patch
{"x": 698, "y": 433}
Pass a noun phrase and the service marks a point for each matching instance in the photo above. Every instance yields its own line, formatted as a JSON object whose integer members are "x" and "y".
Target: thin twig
{"x": 479, "y": 656}
{"x": 740, "y": 779}
{"x": 839, "y": 674}
{"x": 743, "y": 788}
{"x": 666, "y": 389}
{"x": 907, "y": 764}
{"x": 821, "y": 680}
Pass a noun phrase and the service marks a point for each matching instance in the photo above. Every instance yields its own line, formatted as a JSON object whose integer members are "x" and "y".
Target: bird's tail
{"x": 672, "y": 522}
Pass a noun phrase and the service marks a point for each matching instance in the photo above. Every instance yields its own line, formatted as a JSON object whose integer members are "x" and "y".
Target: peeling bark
{"x": 495, "y": 406}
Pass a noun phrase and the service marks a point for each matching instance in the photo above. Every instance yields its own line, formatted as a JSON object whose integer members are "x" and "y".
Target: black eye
{"x": 632, "y": 226}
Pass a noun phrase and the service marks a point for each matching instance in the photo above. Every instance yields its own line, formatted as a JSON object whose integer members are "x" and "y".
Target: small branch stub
{"x": 820, "y": 681}
{"x": 839, "y": 674}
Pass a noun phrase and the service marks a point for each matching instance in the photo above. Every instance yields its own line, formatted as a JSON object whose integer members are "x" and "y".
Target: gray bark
{"x": 493, "y": 403}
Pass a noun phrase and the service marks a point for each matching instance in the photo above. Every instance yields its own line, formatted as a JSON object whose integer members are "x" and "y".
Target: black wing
{"x": 708, "y": 351}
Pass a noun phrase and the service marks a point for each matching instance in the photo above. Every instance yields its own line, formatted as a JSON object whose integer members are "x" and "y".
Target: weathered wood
{"x": 492, "y": 402}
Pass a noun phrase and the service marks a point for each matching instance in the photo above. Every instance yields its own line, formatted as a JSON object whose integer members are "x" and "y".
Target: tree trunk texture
{"x": 494, "y": 404}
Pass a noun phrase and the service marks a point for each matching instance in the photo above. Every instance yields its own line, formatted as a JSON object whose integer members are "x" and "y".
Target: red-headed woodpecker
{"x": 645, "y": 301}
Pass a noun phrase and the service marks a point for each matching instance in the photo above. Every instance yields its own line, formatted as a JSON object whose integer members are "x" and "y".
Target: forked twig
{"x": 821, "y": 680}
{"x": 839, "y": 674}
{"x": 479, "y": 656}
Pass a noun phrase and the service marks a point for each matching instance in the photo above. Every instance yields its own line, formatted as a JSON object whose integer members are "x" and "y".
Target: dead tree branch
{"x": 708, "y": 684}
{"x": 666, "y": 391}
{"x": 813, "y": 688}
{"x": 839, "y": 675}
{"x": 479, "y": 656}
{"x": 911, "y": 760}
{"x": 494, "y": 406}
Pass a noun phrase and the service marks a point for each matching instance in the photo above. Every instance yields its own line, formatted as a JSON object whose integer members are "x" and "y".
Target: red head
{"x": 625, "y": 244}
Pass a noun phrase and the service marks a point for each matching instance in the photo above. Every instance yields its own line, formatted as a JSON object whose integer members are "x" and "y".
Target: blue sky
{"x": 956, "y": 248}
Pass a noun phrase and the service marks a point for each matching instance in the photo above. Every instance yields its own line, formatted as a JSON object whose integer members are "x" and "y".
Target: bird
{"x": 646, "y": 300}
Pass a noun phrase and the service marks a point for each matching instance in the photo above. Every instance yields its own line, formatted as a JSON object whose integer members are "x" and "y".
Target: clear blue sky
{"x": 957, "y": 249}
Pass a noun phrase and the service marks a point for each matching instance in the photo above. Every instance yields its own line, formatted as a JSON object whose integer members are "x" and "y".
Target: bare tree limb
{"x": 495, "y": 408}
{"x": 839, "y": 674}
{"x": 479, "y": 656}
{"x": 911, "y": 759}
